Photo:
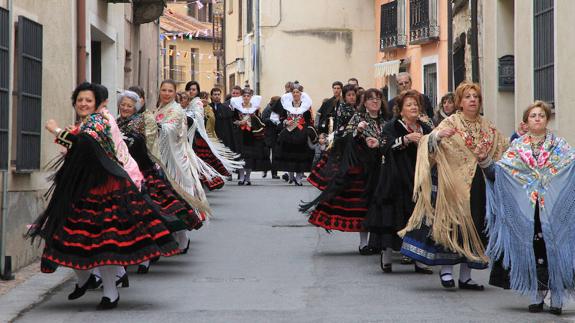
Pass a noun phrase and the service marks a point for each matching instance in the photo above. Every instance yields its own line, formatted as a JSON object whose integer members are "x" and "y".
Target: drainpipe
{"x": 474, "y": 43}
{"x": 5, "y": 271}
{"x": 257, "y": 58}
{"x": 449, "y": 46}
{"x": 225, "y": 65}
{"x": 81, "y": 41}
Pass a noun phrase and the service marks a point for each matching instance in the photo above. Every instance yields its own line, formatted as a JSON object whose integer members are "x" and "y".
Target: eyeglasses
{"x": 403, "y": 83}
{"x": 374, "y": 99}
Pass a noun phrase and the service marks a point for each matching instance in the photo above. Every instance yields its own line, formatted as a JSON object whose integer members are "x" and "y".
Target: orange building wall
{"x": 418, "y": 52}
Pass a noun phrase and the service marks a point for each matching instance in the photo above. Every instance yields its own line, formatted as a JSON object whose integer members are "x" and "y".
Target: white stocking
{"x": 363, "y": 239}
{"x": 109, "y": 282}
{"x": 82, "y": 276}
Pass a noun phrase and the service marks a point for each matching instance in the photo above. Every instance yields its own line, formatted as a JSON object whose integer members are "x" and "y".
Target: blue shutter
{"x": 29, "y": 123}
{"x": 4, "y": 94}
{"x": 543, "y": 51}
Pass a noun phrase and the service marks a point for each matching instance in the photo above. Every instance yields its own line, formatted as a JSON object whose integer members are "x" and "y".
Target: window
{"x": 423, "y": 26}
{"x": 430, "y": 82}
{"x": 96, "y": 61}
{"x": 392, "y": 25}
{"x": 232, "y": 81}
{"x": 195, "y": 63}
{"x": 4, "y": 91}
{"x": 459, "y": 60}
{"x": 544, "y": 51}
{"x": 240, "y": 22}
{"x": 29, "y": 114}
{"x": 249, "y": 16}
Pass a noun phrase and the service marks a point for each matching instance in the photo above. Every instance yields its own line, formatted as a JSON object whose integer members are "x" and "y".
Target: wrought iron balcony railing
{"x": 423, "y": 27}
{"x": 392, "y": 30}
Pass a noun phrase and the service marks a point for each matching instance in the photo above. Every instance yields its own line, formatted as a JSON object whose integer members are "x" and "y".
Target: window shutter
{"x": 4, "y": 92}
{"x": 29, "y": 123}
{"x": 543, "y": 51}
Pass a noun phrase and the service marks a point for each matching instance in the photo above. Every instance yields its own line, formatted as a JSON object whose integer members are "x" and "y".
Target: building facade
{"x": 187, "y": 53}
{"x": 528, "y": 58}
{"x": 412, "y": 36}
{"x": 333, "y": 43}
{"x": 56, "y": 45}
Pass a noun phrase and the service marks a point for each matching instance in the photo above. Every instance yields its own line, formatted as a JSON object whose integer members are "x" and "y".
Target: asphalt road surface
{"x": 259, "y": 261}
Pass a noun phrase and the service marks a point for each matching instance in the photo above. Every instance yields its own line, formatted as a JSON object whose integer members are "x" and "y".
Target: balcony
{"x": 178, "y": 73}
{"x": 392, "y": 30}
{"x": 423, "y": 26}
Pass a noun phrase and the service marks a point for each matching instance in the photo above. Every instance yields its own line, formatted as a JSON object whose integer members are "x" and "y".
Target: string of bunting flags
{"x": 185, "y": 54}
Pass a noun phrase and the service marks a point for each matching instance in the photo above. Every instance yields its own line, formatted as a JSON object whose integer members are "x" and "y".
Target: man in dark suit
{"x": 327, "y": 108}
{"x": 224, "y": 118}
{"x": 403, "y": 80}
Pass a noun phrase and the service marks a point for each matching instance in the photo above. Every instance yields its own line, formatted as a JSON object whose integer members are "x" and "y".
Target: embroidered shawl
{"x": 168, "y": 146}
{"x": 450, "y": 220}
{"x": 523, "y": 182}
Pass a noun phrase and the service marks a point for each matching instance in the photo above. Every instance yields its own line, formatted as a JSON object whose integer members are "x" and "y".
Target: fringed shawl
{"x": 450, "y": 220}
{"x": 168, "y": 146}
{"x": 523, "y": 182}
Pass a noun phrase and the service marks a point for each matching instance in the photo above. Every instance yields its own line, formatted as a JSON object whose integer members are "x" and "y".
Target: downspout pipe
{"x": 450, "y": 46}
{"x": 258, "y": 48}
{"x": 474, "y": 43}
{"x": 225, "y": 67}
{"x": 4, "y": 270}
{"x": 81, "y": 41}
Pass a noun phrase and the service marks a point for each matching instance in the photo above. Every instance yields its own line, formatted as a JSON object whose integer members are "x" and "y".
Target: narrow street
{"x": 259, "y": 261}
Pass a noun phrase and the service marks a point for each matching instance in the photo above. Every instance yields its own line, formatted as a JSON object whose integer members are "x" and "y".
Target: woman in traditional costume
{"x": 178, "y": 214}
{"x": 447, "y": 225}
{"x": 96, "y": 216}
{"x": 343, "y": 204}
{"x": 295, "y": 132}
{"x": 252, "y": 135}
{"x": 391, "y": 202}
{"x": 323, "y": 172}
{"x": 167, "y": 142}
{"x": 445, "y": 109}
{"x": 531, "y": 220}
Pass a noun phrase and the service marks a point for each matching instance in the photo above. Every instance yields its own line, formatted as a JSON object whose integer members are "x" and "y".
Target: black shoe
{"x": 555, "y": 310}
{"x": 447, "y": 283}
{"x": 536, "y": 308}
{"x": 386, "y": 268}
{"x": 80, "y": 291}
{"x": 248, "y": 183}
{"x": 423, "y": 270}
{"x": 107, "y": 304}
{"x": 265, "y": 175}
{"x": 275, "y": 175}
{"x": 124, "y": 281}
{"x": 154, "y": 260}
{"x": 468, "y": 286}
{"x": 241, "y": 183}
{"x": 285, "y": 177}
{"x": 94, "y": 284}
{"x": 297, "y": 183}
{"x": 366, "y": 251}
{"x": 143, "y": 269}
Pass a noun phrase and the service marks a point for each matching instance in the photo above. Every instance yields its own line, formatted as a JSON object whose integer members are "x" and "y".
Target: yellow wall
{"x": 418, "y": 53}
{"x": 205, "y": 73}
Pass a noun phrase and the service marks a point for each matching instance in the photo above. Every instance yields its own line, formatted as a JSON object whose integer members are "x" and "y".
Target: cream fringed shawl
{"x": 168, "y": 147}
{"x": 450, "y": 221}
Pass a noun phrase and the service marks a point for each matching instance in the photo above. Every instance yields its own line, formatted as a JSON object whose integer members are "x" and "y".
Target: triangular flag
{"x": 199, "y": 4}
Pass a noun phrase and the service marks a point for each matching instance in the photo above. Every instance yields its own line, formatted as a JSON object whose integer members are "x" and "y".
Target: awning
{"x": 387, "y": 68}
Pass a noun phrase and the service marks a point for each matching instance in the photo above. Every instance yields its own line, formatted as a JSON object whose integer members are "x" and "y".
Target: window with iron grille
{"x": 4, "y": 92}
{"x": 29, "y": 114}
{"x": 543, "y": 51}
{"x": 423, "y": 26}
{"x": 172, "y": 61}
{"x": 194, "y": 63}
{"x": 392, "y": 25}
{"x": 430, "y": 82}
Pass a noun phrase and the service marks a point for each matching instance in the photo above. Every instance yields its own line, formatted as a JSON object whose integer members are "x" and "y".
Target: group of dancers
{"x": 446, "y": 188}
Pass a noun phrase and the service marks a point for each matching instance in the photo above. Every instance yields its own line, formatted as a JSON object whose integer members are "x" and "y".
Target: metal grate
{"x": 29, "y": 123}
{"x": 430, "y": 81}
{"x": 543, "y": 51}
{"x": 4, "y": 92}
{"x": 423, "y": 21}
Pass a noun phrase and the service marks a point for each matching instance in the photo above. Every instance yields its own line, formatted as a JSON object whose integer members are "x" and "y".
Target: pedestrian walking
{"x": 530, "y": 218}
{"x": 447, "y": 226}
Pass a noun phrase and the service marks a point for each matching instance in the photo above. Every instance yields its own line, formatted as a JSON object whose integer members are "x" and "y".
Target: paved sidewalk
{"x": 29, "y": 288}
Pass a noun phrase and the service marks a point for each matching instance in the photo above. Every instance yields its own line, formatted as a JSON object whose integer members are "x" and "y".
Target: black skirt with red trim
{"x": 204, "y": 151}
{"x": 324, "y": 171}
{"x": 347, "y": 210}
{"x": 178, "y": 214}
{"x": 111, "y": 225}
{"x": 214, "y": 184}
